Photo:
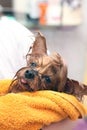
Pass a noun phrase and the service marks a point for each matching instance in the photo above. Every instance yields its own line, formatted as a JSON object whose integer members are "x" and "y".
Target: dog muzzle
{"x": 30, "y": 74}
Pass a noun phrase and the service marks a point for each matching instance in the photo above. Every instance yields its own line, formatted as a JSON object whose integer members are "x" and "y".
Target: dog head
{"x": 43, "y": 71}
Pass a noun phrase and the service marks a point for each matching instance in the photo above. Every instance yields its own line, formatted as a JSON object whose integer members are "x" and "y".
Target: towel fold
{"x": 33, "y": 110}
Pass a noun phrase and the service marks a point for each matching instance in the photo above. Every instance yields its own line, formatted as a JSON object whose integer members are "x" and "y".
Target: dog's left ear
{"x": 62, "y": 71}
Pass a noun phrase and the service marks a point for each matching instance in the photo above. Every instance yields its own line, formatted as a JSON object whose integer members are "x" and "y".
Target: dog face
{"x": 43, "y": 71}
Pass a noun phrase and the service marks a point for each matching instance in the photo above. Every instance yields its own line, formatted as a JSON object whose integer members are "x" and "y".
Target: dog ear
{"x": 75, "y": 88}
{"x": 62, "y": 71}
{"x": 39, "y": 46}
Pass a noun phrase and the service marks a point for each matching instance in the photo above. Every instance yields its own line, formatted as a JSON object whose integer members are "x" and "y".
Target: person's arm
{"x": 66, "y": 124}
{"x": 15, "y": 41}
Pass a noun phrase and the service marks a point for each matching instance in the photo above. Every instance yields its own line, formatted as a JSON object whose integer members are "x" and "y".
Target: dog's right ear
{"x": 39, "y": 46}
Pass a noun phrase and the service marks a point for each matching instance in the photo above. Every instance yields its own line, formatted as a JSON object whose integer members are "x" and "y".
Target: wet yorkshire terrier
{"x": 45, "y": 72}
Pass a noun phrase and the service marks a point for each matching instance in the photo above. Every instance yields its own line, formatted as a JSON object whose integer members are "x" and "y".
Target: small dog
{"x": 45, "y": 72}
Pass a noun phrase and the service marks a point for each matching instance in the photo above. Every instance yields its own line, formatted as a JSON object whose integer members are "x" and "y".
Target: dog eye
{"x": 47, "y": 79}
{"x": 33, "y": 64}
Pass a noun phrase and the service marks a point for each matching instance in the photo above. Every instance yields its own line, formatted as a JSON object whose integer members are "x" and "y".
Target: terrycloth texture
{"x": 31, "y": 111}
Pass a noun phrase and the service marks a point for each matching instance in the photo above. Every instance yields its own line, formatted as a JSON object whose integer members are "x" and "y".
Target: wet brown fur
{"x": 45, "y": 67}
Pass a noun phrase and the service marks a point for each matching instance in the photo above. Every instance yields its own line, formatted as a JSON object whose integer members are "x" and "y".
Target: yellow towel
{"x": 31, "y": 111}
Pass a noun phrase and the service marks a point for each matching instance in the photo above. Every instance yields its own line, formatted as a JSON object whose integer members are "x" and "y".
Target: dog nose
{"x": 30, "y": 74}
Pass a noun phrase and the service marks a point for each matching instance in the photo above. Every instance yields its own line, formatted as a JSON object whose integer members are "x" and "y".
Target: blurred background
{"x": 64, "y": 24}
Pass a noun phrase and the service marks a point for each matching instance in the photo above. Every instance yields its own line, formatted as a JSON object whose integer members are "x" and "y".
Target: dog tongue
{"x": 23, "y": 81}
